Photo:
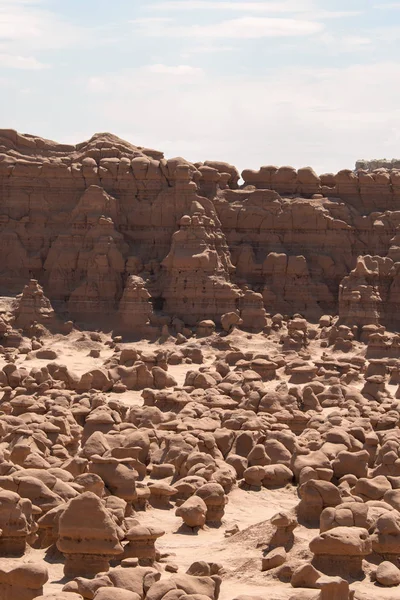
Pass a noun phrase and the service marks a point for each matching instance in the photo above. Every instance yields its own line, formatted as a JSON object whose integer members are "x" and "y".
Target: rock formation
{"x": 33, "y": 307}
{"x": 370, "y": 294}
{"x": 22, "y": 581}
{"x": 224, "y": 406}
{"x": 16, "y": 523}
{"x": 88, "y": 536}
{"x": 107, "y": 223}
{"x": 135, "y": 309}
{"x": 197, "y": 272}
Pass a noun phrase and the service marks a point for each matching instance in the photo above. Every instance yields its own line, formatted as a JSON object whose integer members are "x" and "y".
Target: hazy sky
{"x": 299, "y": 82}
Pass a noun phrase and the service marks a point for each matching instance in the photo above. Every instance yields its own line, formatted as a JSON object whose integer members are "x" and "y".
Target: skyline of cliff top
{"x": 290, "y": 82}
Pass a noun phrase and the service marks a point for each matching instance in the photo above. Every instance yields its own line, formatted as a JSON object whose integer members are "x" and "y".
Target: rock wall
{"x": 86, "y": 220}
{"x": 375, "y": 163}
{"x": 370, "y": 295}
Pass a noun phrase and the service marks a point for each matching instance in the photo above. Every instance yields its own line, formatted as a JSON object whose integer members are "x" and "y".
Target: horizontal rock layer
{"x": 108, "y": 228}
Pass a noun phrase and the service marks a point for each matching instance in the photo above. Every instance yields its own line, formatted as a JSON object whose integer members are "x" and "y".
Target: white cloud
{"x": 240, "y": 28}
{"x": 21, "y": 2}
{"x": 145, "y": 78}
{"x": 387, "y": 34}
{"x": 277, "y": 7}
{"x": 207, "y": 49}
{"x": 10, "y": 61}
{"x": 326, "y": 118}
{"x": 337, "y": 44}
{"x": 334, "y": 14}
{"x": 285, "y": 6}
{"x": 180, "y": 70}
{"x": 387, "y": 5}
{"x": 150, "y": 20}
{"x": 27, "y": 26}
{"x": 96, "y": 84}
{"x": 253, "y": 27}
{"x": 356, "y": 40}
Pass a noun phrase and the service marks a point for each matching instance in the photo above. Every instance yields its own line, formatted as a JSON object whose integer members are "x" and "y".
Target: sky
{"x": 285, "y": 82}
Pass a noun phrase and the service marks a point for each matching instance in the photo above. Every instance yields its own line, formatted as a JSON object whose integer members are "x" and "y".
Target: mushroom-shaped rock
{"x": 274, "y": 558}
{"x": 214, "y": 496}
{"x": 48, "y": 526}
{"x": 285, "y": 524}
{"x": 16, "y": 523}
{"x": 205, "y": 328}
{"x": 193, "y": 512}
{"x": 142, "y": 497}
{"x": 348, "y": 514}
{"x": 258, "y": 456}
{"x": 355, "y": 463}
{"x": 340, "y": 551}
{"x": 276, "y": 476}
{"x": 315, "y": 496}
{"x": 187, "y": 486}
{"x": 230, "y": 320}
{"x": 386, "y": 536}
{"x": 141, "y": 543}
{"x": 265, "y": 368}
{"x": 22, "y": 581}
{"x": 88, "y": 536}
{"x": 118, "y": 475}
{"x": 161, "y": 493}
{"x": 253, "y": 476}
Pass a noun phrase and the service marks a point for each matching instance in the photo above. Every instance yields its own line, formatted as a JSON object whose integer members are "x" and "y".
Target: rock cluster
{"x": 229, "y": 344}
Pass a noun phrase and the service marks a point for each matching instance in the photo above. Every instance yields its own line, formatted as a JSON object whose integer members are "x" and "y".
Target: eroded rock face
{"x": 135, "y": 309}
{"x": 370, "y": 294}
{"x": 103, "y": 212}
{"x": 32, "y": 306}
{"x": 197, "y": 272}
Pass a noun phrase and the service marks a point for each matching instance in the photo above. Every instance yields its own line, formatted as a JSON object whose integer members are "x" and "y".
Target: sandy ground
{"x": 241, "y": 554}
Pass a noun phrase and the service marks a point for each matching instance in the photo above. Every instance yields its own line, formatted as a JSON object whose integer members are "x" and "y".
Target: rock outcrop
{"x": 197, "y": 272}
{"x": 31, "y": 307}
{"x": 370, "y": 294}
{"x": 112, "y": 229}
{"x": 88, "y": 536}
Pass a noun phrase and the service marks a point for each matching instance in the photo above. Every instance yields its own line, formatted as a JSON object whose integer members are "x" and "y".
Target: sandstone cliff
{"x": 111, "y": 229}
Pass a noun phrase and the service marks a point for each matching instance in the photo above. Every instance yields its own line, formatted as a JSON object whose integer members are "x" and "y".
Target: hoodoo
{"x": 199, "y": 377}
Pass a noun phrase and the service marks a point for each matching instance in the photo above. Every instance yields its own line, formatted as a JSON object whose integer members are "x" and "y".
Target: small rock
{"x": 230, "y": 531}
{"x": 388, "y": 574}
{"x": 180, "y": 339}
{"x": 129, "y": 562}
{"x": 275, "y": 558}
